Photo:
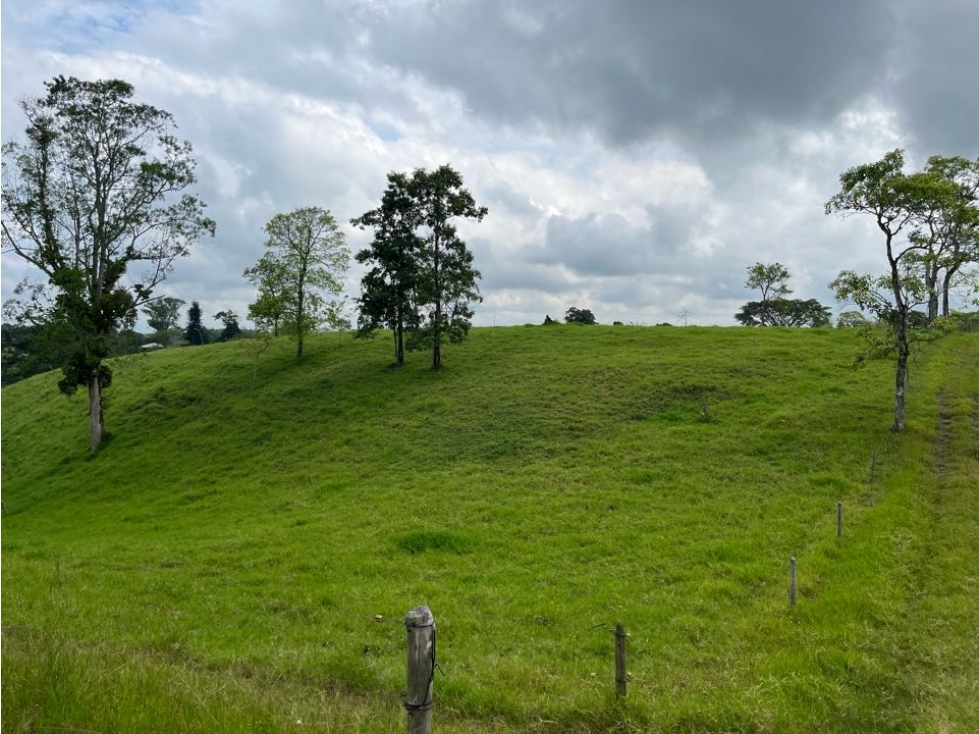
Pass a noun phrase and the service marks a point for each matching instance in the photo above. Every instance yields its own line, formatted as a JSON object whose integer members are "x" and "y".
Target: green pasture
{"x": 240, "y": 556}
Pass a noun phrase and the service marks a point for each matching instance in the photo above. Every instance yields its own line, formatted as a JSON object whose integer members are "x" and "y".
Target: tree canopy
{"x": 576, "y": 315}
{"x": 86, "y": 195}
{"x": 195, "y": 333}
{"x": 388, "y": 296}
{"x": 917, "y": 214}
{"x": 774, "y": 309}
{"x": 770, "y": 279}
{"x": 306, "y": 254}
{"x": 231, "y": 330}
{"x": 163, "y": 314}
{"x": 784, "y": 312}
{"x": 422, "y": 280}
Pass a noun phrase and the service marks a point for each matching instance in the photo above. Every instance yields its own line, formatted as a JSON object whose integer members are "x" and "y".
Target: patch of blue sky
{"x": 385, "y": 131}
{"x": 74, "y": 26}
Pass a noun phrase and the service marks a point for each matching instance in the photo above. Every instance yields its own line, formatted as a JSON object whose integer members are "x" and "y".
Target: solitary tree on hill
{"x": 195, "y": 333}
{"x": 579, "y": 316}
{"x": 900, "y": 204}
{"x": 87, "y": 195}
{"x": 306, "y": 254}
{"x": 231, "y": 328}
{"x": 163, "y": 315}
{"x": 774, "y": 309}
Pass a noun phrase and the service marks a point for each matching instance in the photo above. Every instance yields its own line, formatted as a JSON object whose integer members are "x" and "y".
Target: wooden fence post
{"x": 792, "y": 581}
{"x": 621, "y": 675}
{"x": 420, "y": 625}
{"x": 839, "y": 518}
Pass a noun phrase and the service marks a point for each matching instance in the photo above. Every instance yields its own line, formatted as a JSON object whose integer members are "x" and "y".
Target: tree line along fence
{"x": 421, "y": 632}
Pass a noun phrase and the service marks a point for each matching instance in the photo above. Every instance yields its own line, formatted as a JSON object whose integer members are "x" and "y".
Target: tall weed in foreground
{"x": 54, "y": 684}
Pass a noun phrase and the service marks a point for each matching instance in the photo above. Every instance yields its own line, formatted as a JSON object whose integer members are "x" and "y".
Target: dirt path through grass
{"x": 942, "y": 673}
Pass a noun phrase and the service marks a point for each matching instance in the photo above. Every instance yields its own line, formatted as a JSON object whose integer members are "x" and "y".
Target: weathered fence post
{"x": 839, "y": 519}
{"x": 621, "y": 675}
{"x": 420, "y": 625}
{"x": 792, "y": 581}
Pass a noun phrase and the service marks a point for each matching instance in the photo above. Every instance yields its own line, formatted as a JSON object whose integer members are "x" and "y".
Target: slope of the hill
{"x": 252, "y": 535}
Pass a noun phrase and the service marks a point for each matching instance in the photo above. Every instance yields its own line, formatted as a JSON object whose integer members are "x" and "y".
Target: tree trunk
{"x": 900, "y": 333}
{"x": 437, "y": 330}
{"x": 946, "y": 286}
{"x": 399, "y": 345}
{"x": 931, "y": 284}
{"x": 901, "y": 378}
{"x": 300, "y": 306}
{"x": 95, "y": 423}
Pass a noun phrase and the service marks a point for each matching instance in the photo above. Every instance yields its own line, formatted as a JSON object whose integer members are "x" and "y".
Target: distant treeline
{"x": 29, "y": 350}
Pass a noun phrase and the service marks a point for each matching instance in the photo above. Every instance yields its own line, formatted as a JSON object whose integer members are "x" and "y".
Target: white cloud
{"x": 635, "y": 158}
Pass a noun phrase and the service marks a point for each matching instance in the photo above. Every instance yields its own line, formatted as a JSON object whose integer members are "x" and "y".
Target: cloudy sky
{"x": 635, "y": 156}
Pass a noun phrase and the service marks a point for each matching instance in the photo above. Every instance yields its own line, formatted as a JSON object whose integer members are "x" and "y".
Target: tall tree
{"x": 84, "y": 197}
{"x": 771, "y": 280}
{"x": 422, "y": 281}
{"x": 447, "y": 283}
{"x": 195, "y": 333}
{"x": 163, "y": 314}
{"x": 231, "y": 328}
{"x": 947, "y": 238}
{"x": 898, "y": 203}
{"x": 309, "y": 251}
{"x": 388, "y": 287}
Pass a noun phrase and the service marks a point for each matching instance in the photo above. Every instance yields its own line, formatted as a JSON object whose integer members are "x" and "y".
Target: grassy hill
{"x": 241, "y": 555}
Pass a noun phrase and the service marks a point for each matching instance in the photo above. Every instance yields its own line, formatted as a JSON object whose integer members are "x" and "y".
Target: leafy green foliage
{"x": 774, "y": 309}
{"x": 230, "y": 321}
{"x": 576, "y": 315}
{"x": 851, "y": 320}
{"x": 195, "y": 333}
{"x": 447, "y": 286}
{"x": 946, "y": 236}
{"x": 388, "y": 289}
{"x": 163, "y": 314}
{"x": 30, "y": 350}
{"x": 306, "y": 255}
{"x": 269, "y": 276}
{"x": 770, "y": 279}
{"x": 784, "y": 312}
{"x": 84, "y": 198}
{"x": 900, "y": 204}
{"x": 422, "y": 285}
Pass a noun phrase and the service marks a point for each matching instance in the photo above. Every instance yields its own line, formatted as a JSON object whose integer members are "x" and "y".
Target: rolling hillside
{"x": 240, "y": 556}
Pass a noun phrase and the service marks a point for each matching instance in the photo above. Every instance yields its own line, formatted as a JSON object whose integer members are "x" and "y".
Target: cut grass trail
{"x": 221, "y": 564}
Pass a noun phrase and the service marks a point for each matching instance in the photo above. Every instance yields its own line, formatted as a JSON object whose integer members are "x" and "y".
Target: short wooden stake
{"x": 420, "y": 625}
{"x": 792, "y": 581}
{"x": 621, "y": 675}
{"x": 839, "y": 519}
